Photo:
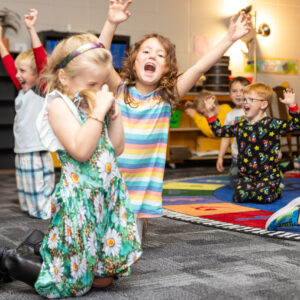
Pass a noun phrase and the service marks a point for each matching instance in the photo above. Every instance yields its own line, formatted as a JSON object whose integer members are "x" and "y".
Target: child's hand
{"x": 117, "y": 12}
{"x": 188, "y": 104}
{"x": 239, "y": 26}
{"x": 1, "y": 37}
{"x": 219, "y": 164}
{"x": 114, "y": 111}
{"x": 104, "y": 100}
{"x": 190, "y": 111}
{"x": 289, "y": 97}
{"x": 210, "y": 106}
{"x": 31, "y": 18}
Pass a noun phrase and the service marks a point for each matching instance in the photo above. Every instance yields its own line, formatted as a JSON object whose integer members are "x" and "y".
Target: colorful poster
{"x": 272, "y": 65}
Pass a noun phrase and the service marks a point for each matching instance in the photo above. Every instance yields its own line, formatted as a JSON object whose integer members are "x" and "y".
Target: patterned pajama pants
{"x": 262, "y": 189}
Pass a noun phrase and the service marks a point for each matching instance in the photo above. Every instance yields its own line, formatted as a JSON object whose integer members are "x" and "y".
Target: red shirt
{"x": 40, "y": 61}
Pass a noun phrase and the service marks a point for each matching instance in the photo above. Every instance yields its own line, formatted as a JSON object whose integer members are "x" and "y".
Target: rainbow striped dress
{"x": 146, "y": 123}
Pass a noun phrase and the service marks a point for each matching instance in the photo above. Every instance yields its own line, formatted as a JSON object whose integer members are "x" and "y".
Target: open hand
{"x": 210, "y": 106}
{"x": 239, "y": 26}
{"x": 31, "y": 18}
{"x": 118, "y": 11}
{"x": 289, "y": 97}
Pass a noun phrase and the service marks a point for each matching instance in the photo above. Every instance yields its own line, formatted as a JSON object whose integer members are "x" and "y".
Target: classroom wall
{"x": 181, "y": 21}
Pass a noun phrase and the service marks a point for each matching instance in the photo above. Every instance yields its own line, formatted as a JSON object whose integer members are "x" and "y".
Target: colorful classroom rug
{"x": 208, "y": 201}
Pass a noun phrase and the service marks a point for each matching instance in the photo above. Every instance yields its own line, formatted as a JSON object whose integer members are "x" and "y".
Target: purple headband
{"x": 79, "y": 51}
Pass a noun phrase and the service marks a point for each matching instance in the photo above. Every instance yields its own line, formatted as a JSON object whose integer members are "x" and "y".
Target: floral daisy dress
{"x": 92, "y": 231}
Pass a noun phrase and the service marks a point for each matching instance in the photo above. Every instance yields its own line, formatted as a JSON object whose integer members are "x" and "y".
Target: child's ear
{"x": 264, "y": 105}
{"x": 62, "y": 76}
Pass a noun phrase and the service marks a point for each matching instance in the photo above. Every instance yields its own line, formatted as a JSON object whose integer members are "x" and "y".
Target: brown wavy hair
{"x": 167, "y": 84}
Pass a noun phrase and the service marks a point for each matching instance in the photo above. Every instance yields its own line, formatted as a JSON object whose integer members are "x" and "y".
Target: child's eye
{"x": 146, "y": 51}
{"x": 161, "y": 55}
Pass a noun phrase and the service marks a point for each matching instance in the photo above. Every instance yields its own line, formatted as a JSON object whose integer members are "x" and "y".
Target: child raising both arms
{"x": 147, "y": 88}
{"x": 236, "y": 91}
{"x": 34, "y": 166}
{"x": 258, "y": 140}
{"x": 92, "y": 236}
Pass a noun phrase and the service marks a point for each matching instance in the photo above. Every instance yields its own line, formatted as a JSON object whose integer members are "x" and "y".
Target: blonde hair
{"x": 97, "y": 56}
{"x": 201, "y": 98}
{"x": 26, "y": 58}
{"x": 261, "y": 89}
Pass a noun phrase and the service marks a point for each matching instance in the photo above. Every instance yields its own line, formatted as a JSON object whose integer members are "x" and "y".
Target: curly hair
{"x": 167, "y": 84}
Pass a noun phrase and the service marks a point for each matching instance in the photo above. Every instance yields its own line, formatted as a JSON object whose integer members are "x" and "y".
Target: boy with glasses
{"x": 258, "y": 140}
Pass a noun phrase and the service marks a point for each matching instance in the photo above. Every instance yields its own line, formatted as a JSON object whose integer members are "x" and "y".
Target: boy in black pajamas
{"x": 258, "y": 139}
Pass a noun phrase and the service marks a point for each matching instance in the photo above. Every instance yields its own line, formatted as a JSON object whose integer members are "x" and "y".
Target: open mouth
{"x": 246, "y": 108}
{"x": 22, "y": 82}
{"x": 149, "y": 67}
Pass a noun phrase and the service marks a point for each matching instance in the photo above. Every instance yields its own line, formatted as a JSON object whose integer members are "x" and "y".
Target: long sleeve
{"x": 40, "y": 61}
{"x": 219, "y": 130}
{"x": 9, "y": 65}
{"x": 293, "y": 123}
{"x": 203, "y": 125}
{"x": 40, "y": 58}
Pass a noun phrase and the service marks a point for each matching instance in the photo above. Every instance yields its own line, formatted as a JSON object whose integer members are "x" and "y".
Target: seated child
{"x": 258, "y": 140}
{"x": 236, "y": 92}
{"x": 196, "y": 110}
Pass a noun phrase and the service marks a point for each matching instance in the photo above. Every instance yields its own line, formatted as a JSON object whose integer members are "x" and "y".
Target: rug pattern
{"x": 208, "y": 201}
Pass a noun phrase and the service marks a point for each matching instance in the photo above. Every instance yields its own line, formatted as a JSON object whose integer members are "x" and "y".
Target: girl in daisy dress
{"x": 92, "y": 237}
{"x": 148, "y": 87}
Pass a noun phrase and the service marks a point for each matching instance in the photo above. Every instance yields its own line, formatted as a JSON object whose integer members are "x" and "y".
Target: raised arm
{"x": 40, "y": 55}
{"x": 8, "y": 62}
{"x": 3, "y": 50}
{"x": 239, "y": 26}
{"x": 30, "y": 20}
{"x": 117, "y": 13}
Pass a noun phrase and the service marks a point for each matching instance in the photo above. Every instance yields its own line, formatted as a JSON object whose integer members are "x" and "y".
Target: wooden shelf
{"x": 179, "y": 129}
{"x": 188, "y": 132}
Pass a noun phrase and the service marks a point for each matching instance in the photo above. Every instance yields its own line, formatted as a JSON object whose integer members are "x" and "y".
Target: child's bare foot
{"x": 102, "y": 282}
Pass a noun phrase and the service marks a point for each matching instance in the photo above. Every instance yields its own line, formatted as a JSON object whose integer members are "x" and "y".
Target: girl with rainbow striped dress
{"x": 147, "y": 88}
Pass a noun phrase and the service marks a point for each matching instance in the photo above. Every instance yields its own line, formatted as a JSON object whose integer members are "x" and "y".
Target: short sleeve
{"x": 46, "y": 133}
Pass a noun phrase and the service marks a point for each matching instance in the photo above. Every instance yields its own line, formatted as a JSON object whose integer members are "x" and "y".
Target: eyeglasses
{"x": 250, "y": 100}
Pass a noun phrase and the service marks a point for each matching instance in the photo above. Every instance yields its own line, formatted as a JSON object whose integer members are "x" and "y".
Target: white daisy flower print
{"x": 55, "y": 206}
{"x": 53, "y": 238}
{"x": 56, "y": 269}
{"x": 83, "y": 265}
{"x": 76, "y": 267}
{"x": 69, "y": 231}
{"x": 136, "y": 233}
{"x": 98, "y": 207}
{"x": 112, "y": 242}
{"x": 88, "y": 193}
{"x": 107, "y": 168}
{"x": 92, "y": 243}
{"x": 71, "y": 174}
{"x": 123, "y": 216}
{"x": 100, "y": 269}
{"x": 112, "y": 199}
{"x": 83, "y": 291}
{"x": 133, "y": 257}
{"x": 81, "y": 215}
